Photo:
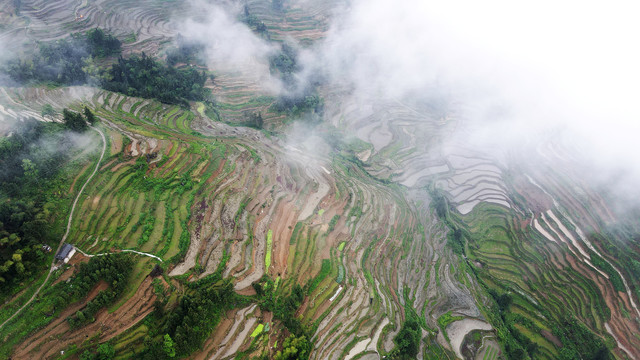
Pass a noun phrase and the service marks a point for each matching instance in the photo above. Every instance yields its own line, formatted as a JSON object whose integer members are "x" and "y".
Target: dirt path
{"x": 64, "y": 237}
{"x": 126, "y": 250}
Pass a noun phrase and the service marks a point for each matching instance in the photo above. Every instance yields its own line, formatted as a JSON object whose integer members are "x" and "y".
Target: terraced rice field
{"x": 173, "y": 191}
{"x": 145, "y": 23}
{"x": 361, "y": 231}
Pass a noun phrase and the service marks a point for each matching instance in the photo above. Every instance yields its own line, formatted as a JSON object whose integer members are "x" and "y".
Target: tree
{"x": 407, "y": 340}
{"x": 73, "y": 120}
{"x": 168, "y": 346}
{"x": 91, "y": 118}
{"x": 277, "y": 5}
{"x": 105, "y": 352}
{"x": 30, "y": 171}
{"x": 294, "y": 348}
{"x": 255, "y": 120}
{"x": 47, "y": 110}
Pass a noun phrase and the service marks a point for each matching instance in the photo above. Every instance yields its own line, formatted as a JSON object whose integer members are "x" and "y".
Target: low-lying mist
{"x": 544, "y": 67}
{"x": 520, "y": 73}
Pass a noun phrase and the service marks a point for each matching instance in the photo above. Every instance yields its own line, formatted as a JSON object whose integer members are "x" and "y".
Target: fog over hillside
{"x": 541, "y": 68}
{"x": 517, "y": 73}
{"x": 319, "y": 179}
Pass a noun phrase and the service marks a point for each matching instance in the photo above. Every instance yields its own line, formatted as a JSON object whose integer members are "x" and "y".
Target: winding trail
{"x": 64, "y": 237}
{"x": 126, "y": 250}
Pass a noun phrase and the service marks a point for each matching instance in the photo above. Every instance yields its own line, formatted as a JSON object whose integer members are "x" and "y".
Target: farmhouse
{"x": 65, "y": 253}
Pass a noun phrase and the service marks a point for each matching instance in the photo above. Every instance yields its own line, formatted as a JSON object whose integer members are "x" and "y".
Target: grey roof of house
{"x": 66, "y": 249}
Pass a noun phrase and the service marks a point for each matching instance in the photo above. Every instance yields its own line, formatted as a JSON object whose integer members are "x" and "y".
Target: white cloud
{"x": 547, "y": 65}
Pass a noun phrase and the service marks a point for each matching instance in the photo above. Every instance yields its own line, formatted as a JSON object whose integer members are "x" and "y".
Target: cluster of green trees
{"x": 187, "y": 325}
{"x": 516, "y": 345}
{"x": 619, "y": 241}
{"x": 408, "y": 339}
{"x": 296, "y": 105}
{"x": 187, "y": 52}
{"x": 285, "y": 63}
{"x": 294, "y": 348}
{"x": 64, "y": 61}
{"x": 103, "y": 352}
{"x": 252, "y": 20}
{"x": 282, "y": 306}
{"x": 299, "y": 95}
{"x": 254, "y": 120}
{"x": 578, "y": 342}
{"x": 99, "y": 43}
{"x": 144, "y": 77}
{"x": 70, "y": 62}
{"x": 78, "y": 122}
{"x": 29, "y": 159}
{"x": 455, "y": 237}
{"x": 114, "y": 269}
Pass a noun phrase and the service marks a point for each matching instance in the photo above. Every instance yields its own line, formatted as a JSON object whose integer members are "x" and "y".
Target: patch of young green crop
{"x": 325, "y": 269}
{"x": 267, "y": 257}
{"x": 257, "y": 331}
{"x": 185, "y": 236}
{"x": 340, "y": 276}
{"x": 295, "y": 233}
{"x": 147, "y": 228}
{"x": 365, "y": 256}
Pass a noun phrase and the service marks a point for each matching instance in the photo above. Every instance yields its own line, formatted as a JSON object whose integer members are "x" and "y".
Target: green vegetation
{"x": 74, "y": 121}
{"x": 63, "y": 62}
{"x": 301, "y": 96}
{"x": 253, "y": 22}
{"x": 267, "y": 256}
{"x": 186, "y": 52}
{"x": 47, "y": 110}
{"x": 99, "y": 43}
{"x": 170, "y": 177}
{"x": 114, "y": 270}
{"x": 614, "y": 277}
{"x": 579, "y": 342}
{"x": 408, "y": 339}
{"x": 500, "y": 257}
{"x": 257, "y": 331}
{"x": 445, "y": 319}
{"x": 184, "y": 328}
{"x": 325, "y": 269}
{"x": 144, "y": 77}
{"x": 25, "y": 183}
{"x": 340, "y": 276}
{"x": 103, "y": 352}
{"x": 333, "y": 222}
{"x": 294, "y": 348}
{"x": 284, "y": 308}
